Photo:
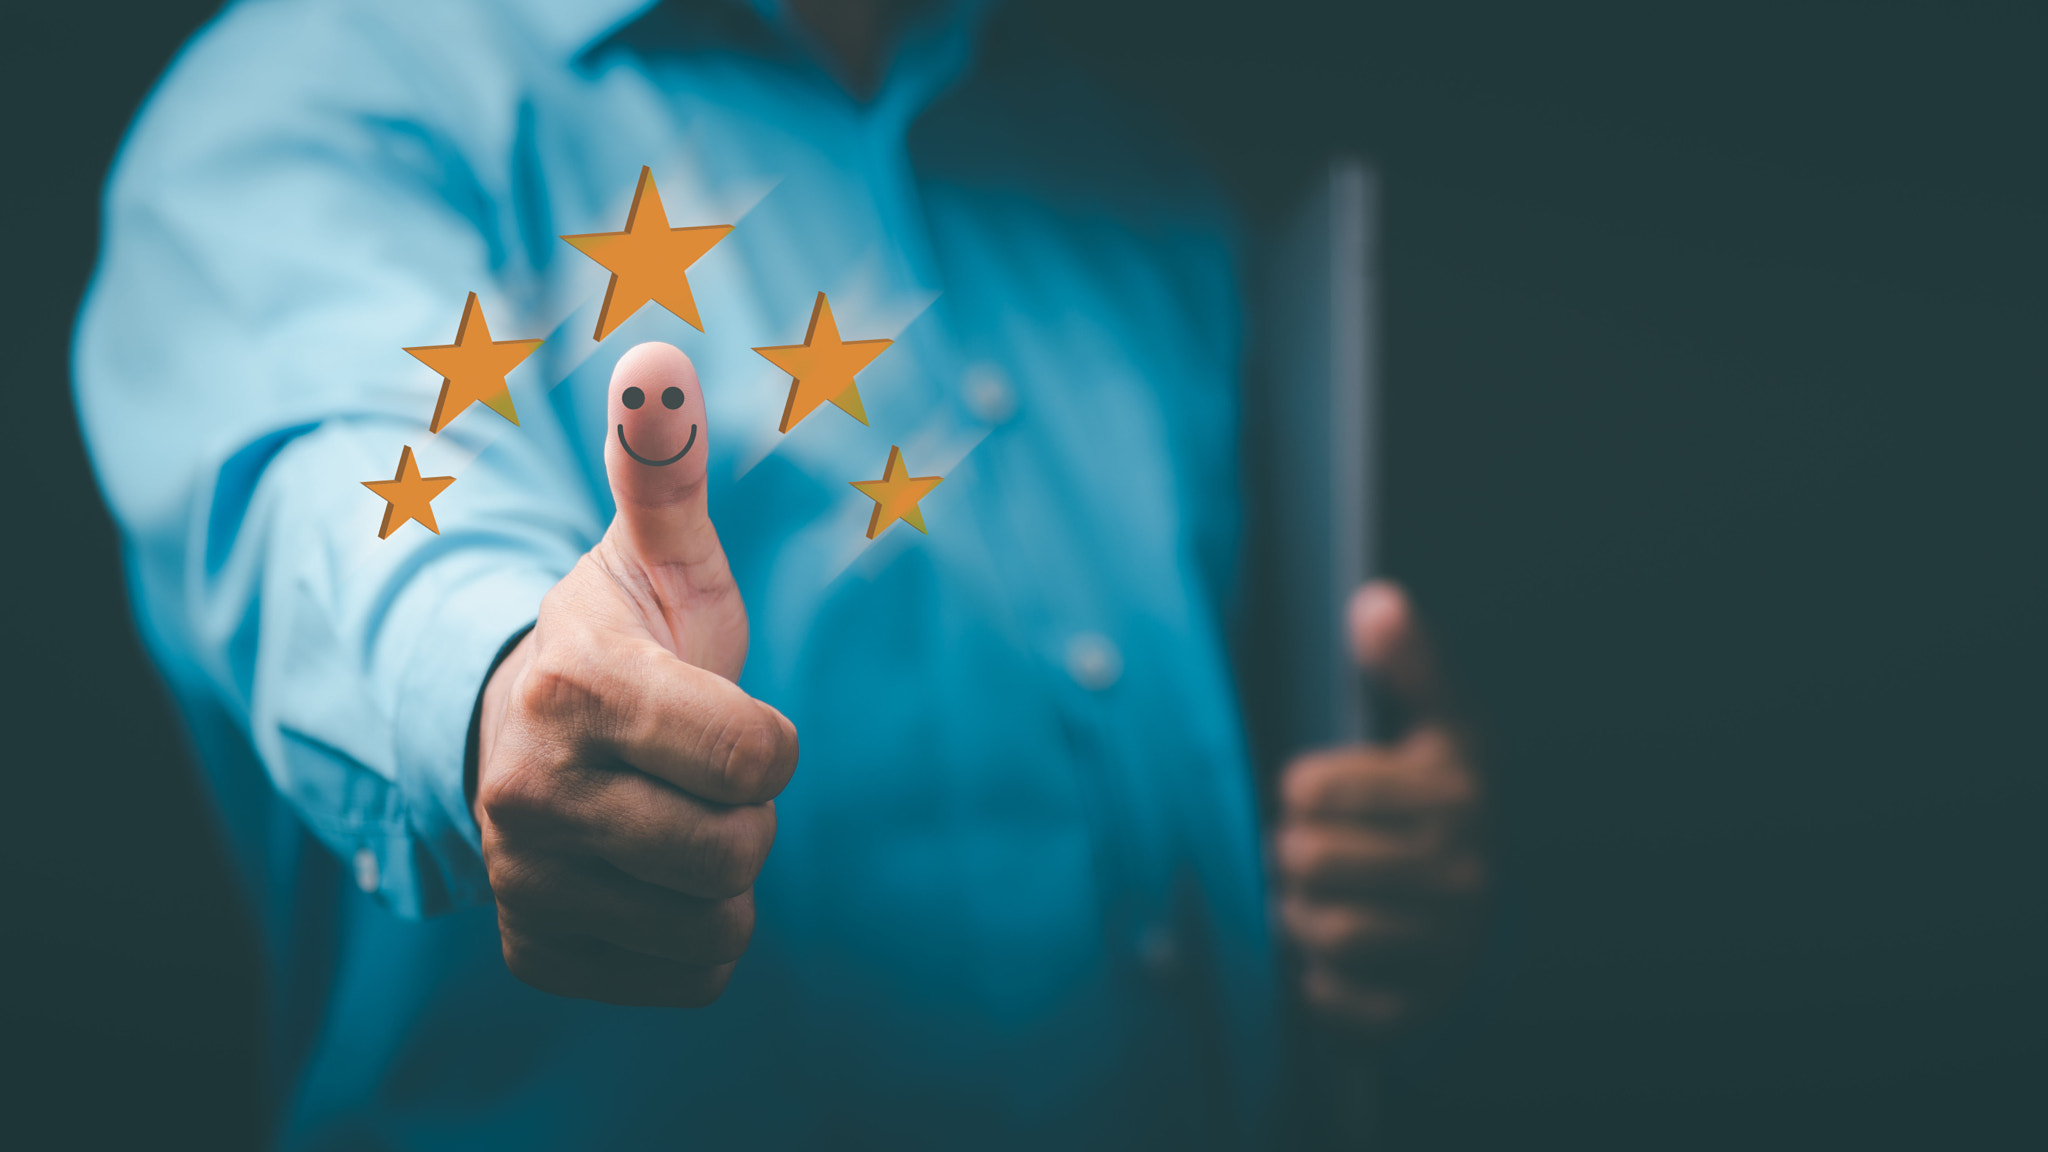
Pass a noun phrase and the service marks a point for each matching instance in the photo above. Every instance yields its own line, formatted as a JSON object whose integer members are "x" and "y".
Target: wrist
{"x": 491, "y": 701}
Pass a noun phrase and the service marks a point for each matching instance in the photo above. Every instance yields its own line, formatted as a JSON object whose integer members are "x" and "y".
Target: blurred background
{"x": 1717, "y": 383}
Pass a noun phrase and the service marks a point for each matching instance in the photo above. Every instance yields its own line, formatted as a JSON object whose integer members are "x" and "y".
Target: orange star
{"x": 822, "y": 367}
{"x": 647, "y": 260}
{"x": 473, "y": 368}
{"x": 896, "y": 494}
{"x": 408, "y": 496}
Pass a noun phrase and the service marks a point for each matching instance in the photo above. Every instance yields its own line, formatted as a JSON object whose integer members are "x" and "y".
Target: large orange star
{"x": 473, "y": 368}
{"x": 896, "y": 494}
{"x": 408, "y": 496}
{"x": 647, "y": 260}
{"x": 822, "y": 367}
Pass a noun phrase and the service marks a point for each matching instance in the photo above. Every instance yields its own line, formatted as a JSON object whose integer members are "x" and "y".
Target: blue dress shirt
{"x": 1019, "y": 904}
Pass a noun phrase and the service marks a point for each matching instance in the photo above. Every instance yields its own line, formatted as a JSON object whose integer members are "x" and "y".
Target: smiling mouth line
{"x": 658, "y": 463}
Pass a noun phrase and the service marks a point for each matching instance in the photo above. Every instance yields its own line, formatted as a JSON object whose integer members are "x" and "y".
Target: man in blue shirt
{"x": 1016, "y": 892}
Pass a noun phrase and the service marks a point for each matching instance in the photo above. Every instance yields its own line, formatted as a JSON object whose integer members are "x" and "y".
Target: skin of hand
{"x": 1380, "y": 871}
{"x": 625, "y": 784}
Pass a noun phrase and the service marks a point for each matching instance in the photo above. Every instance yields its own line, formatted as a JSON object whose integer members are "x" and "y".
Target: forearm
{"x": 239, "y": 376}
{"x": 360, "y": 658}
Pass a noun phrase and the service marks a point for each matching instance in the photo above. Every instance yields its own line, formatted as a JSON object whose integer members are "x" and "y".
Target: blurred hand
{"x": 1377, "y": 854}
{"x": 624, "y": 784}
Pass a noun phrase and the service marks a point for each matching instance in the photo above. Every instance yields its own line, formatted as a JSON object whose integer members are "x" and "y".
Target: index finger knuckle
{"x": 751, "y": 753}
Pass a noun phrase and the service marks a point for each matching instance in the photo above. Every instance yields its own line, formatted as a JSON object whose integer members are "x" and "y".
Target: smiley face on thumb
{"x": 661, "y": 540}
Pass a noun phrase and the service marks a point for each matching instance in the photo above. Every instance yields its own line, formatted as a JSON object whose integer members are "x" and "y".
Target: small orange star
{"x": 647, "y": 260}
{"x": 822, "y": 367}
{"x": 473, "y": 368}
{"x": 896, "y": 494}
{"x": 408, "y": 496}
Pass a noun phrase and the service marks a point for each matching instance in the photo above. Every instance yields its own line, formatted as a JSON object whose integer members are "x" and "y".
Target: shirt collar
{"x": 571, "y": 28}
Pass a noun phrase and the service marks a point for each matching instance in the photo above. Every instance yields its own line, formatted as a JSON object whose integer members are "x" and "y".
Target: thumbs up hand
{"x": 1377, "y": 858}
{"x": 625, "y": 785}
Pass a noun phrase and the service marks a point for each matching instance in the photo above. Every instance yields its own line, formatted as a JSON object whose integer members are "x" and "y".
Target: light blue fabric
{"x": 1020, "y": 903}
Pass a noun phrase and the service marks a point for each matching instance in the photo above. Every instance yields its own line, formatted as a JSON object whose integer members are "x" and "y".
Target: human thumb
{"x": 654, "y": 457}
{"x": 655, "y": 454}
{"x": 1388, "y": 641}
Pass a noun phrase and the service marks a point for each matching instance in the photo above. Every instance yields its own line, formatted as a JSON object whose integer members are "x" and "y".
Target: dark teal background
{"x": 1718, "y": 370}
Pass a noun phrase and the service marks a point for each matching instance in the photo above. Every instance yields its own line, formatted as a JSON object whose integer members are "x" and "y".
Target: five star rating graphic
{"x": 649, "y": 262}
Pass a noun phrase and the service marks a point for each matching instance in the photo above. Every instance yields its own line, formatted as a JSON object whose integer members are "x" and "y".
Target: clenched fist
{"x": 625, "y": 785}
{"x": 1378, "y": 856}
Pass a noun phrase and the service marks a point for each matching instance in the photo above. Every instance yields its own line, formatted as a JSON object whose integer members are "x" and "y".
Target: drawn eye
{"x": 633, "y": 397}
{"x": 672, "y": 398}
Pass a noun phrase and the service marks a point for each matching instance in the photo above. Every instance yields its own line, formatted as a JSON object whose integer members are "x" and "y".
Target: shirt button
{"x": 1158, "y": 951}
{"x": 988, "y": 394}
{"x": 1093, "y": 661}
{"x": 366, "y": 870}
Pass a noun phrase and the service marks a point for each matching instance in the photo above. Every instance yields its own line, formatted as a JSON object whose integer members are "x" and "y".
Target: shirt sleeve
{"x": 286, "y": 217}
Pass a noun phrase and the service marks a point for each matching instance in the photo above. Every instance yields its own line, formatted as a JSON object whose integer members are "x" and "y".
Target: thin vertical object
{"x": 1353, "y": 427}
{"x": 1353, "y": 191}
